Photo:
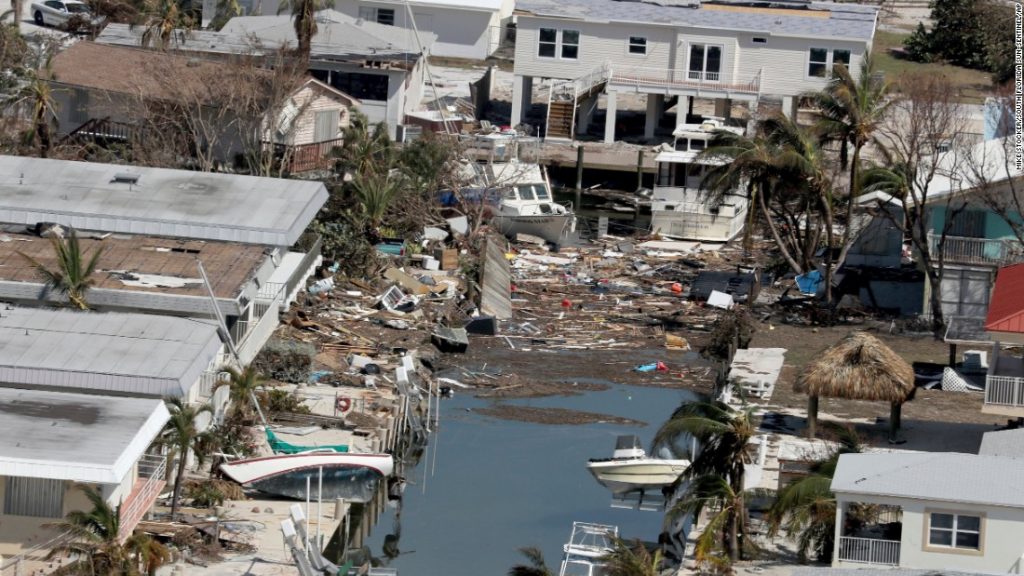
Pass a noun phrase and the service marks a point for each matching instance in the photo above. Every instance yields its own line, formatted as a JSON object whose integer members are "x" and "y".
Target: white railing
{"x": 869, "y": 551}
{"x": 239, "y": 331}
{"x": 981, "y": 251}
{"x": 267, "y": 295}
{"x": 1004, "y": 390}
{"x": 257, "y": 332}
{"x": 152, "y": 468}
{"x": 643, "y": 77}
{"x": 210, "y": 380}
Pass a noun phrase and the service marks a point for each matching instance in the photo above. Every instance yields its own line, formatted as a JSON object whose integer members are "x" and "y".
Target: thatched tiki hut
{"x": 859, "y": 367}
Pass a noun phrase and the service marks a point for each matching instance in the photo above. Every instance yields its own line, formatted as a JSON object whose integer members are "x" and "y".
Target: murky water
{"x": 498, "y": 485}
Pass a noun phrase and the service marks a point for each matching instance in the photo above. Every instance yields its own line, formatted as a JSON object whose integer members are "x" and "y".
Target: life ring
{"x": 344, "y": 404}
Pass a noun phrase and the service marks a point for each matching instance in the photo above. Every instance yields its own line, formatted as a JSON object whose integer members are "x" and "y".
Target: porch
{"x": 994, "y": 252}
{"x": 1004, "y": 386}
{"x": 672, "y": 82}
{"x": 298, "y": 158}
{"x": 868, "y": 534}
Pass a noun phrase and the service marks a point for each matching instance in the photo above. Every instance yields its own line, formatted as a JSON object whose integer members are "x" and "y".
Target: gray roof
{"x": 75, "y": 437}
{"x": 845, "y": 21}
{"x": 164, "y": 202}
{"x": 828, "y": 571}
{"x": 339, "y": 37}
{"x": 933, "y": 476}
{"x": 133, "y": 354}
{"x": 1006, "y": 443}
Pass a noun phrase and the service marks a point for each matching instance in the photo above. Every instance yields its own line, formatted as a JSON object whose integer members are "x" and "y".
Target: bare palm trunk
{"x": 777, "y": 237}
{"x": 178, "y": 480}
{"x": 827, "y": 208}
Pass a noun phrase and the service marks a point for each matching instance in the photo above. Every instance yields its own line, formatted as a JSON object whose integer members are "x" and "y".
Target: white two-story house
{"x": 675, "y": 52}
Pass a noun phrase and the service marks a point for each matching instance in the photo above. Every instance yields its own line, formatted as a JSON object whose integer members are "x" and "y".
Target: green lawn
{"x": 973, "y": 85}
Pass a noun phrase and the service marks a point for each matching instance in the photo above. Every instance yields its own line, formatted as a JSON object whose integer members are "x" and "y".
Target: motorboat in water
{"x": 347, "y": 475}
{"x": 588, "y": 545}
{"x": 630, "y": 469}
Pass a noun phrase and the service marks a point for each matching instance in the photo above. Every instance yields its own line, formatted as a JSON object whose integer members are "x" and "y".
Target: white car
{"x": 58, "y": 12}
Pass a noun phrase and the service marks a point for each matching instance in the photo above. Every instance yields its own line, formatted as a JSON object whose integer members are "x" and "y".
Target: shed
{"x": 858, "y": 367}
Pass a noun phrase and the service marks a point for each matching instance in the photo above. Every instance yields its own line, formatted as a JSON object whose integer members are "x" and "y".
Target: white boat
{"x": 353, "y": 477}
{"x": 583, "y": 554}
{"x": 527, "y": 205}
{"x": 631, "y": 470}
{"x": 679, "y": 208}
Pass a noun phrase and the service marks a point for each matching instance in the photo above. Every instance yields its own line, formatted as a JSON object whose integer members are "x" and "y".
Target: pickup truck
{"x": 58, "y": 12}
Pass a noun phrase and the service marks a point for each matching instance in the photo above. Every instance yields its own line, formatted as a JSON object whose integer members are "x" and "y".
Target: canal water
{"x": 494, "y": 486}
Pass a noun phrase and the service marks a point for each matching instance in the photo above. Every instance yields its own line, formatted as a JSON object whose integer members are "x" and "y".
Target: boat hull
{"x": 551, "y": 227}
{"x": 353, "y": 477}
{"x": 621, "y": 476}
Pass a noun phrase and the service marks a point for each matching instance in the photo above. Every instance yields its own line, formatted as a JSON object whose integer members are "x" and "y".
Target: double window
{"x": 638, "y": 45}
{"x": 384, "y": 16}
{"x": 705, "y": 62}
{"x": 555, "y": 43}
{"x": 820, "y": 61}
{"x": 961, "y": 531}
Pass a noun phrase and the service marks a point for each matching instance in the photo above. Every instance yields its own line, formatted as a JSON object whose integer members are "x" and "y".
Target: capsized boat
{"x": 584, "y": 554}
{"x": 353, "y": 477}
{"x": 630, "y": 469}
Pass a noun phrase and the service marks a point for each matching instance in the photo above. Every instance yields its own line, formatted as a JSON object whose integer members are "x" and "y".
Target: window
{"x": 705, "y": 62}
{"x": 637, "y": 45}
{"x": 759, "y": 40}
{"x": 325, "y": 125}
{"x": 526, "y": 192}
{"x": 550, "y": 38}
{"x": 548, "y": 43}
{"x": 954, "y": 531}
{"x": 570, "y": 44}
{"x": 384, "y": 16}
{"x": 37, "y": 497}
{"x": 841, "y": 57}
{"x": 818, "y": 66}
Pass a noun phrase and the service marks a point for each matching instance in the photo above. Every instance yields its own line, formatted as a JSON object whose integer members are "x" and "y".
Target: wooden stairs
{"x": 560, "y": 119}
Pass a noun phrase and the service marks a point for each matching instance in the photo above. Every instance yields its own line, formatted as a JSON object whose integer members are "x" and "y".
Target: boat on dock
{"x": 347, "y": 475}
{"x": 630, "y": 469}
{"x": 588, "y": 545}
{"x": 679, "y": 208}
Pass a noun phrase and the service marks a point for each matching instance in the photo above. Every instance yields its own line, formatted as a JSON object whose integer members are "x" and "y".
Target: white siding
{"x": 1001, "y": 541}
{"x": 782, "y": 61}
{"x": 600, "y": 44}
{"x": 310, "y": 100}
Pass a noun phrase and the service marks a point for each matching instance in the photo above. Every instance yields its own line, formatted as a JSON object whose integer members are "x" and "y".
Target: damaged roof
{"x": 109, "y": 352}
{"x": 157, "y": 201}
{"x": 1006, "y": 310}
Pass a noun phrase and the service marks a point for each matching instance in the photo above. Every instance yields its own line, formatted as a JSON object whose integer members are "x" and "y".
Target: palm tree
{"x": 631, "y": 559}
{"x": 806, "y": 508}
{"x": 535, "y": 567}
{"x": 36, "y": 94}
{"x": 304, "y": 16}
{"x": 161, "y": 19}
{"x": 803, "y": 165}
{"x": 749, "y": 163}
{"x": 243, "y": 384}
{"x": 375, "y": 193}
{"x": 182, "y": 433}
{"x": 72, "y": 277}
{"x": 226, "y": 10}
{"x": 726, "y": 527}
{"x": 850, "y": 110}
{"x": 95, "y": 543}
{"x": 723, "y": 435}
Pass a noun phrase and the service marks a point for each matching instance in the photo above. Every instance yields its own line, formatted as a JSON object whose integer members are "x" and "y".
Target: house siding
{"x": 310, "y": 100}
{"x": 782, "y": 61}
{"x": 1001, "y": 541}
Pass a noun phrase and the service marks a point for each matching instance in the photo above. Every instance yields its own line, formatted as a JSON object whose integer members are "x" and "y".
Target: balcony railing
{"x": 665, "y": 78}
{"x": 977, "y": 251}
{"x": 869, "y": 551}
{"x": 209, "y": 381}
{"x": 1004, "y": 390}
{"x": 152, "y": 469}
{"x": 305, "y": 157}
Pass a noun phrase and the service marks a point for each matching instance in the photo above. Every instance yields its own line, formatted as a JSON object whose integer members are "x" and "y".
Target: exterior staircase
{"x": 564, "y": 98}
{"x": 560, "y": 119}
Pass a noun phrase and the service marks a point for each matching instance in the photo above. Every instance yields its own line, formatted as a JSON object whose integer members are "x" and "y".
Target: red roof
{"x": 1006, "y": 311}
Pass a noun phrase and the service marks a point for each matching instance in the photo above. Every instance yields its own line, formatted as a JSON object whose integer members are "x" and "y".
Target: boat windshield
{"x": 627, "y": 442}
{"x": 526, "y": 192}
